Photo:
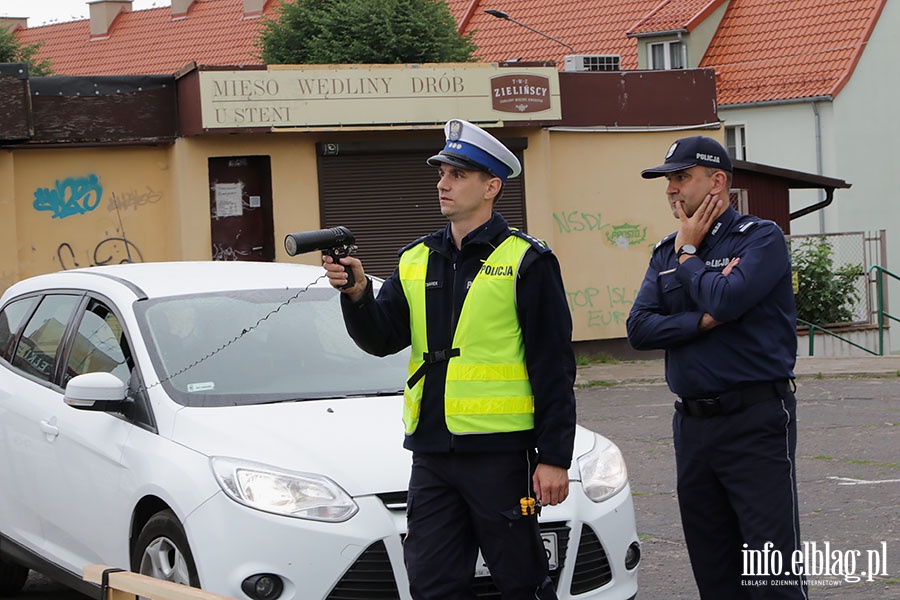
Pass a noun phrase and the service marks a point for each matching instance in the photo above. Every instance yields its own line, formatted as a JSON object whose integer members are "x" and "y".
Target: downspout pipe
{"x": 818, "y": 127}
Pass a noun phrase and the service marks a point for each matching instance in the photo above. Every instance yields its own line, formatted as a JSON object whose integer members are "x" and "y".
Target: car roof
{"x": 160, "y": 279}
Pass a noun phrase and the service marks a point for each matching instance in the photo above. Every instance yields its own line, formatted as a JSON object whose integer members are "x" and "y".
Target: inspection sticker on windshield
{"x": 550, "y": 547}
{"x": 204, "y": 386}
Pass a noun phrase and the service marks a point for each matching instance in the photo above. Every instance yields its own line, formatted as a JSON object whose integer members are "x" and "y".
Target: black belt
{"x": 734, "y": 401}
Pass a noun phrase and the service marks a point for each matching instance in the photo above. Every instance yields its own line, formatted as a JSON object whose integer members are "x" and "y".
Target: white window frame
{"x": 668, "y": 47}
{"x": 737, "y": 148}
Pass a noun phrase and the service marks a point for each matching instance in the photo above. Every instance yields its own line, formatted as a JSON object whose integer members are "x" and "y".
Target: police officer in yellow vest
{"x": 489, "y": 405}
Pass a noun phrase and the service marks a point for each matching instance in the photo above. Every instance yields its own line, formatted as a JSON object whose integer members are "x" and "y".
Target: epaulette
{"x": 413, "y": 243}
{"x": 537, "y": 244}
{"x": 749, "y": 222}
{"x": 662, "y": 242}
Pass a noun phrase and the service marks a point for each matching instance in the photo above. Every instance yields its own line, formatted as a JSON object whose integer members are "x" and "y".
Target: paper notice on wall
{"x": 229, "y": 199}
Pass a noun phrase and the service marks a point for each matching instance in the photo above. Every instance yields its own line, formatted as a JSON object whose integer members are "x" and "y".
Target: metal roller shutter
{"x": 386, "y": 194}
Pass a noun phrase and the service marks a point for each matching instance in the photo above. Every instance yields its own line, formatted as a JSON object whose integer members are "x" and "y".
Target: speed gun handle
{"x": 338, "y": 253}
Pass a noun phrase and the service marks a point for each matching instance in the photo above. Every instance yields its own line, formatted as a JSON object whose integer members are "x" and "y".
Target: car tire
{"x": 12, "y": 578}
{"x": 162, "y": 551}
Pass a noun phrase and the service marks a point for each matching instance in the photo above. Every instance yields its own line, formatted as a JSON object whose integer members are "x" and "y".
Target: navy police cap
{"x": 690, "y": 152}
{"x": 472, "y": 148}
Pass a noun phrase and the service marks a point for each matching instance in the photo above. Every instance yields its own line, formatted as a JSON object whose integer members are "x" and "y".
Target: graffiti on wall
{"x": 70, "y": 196}
{"x": 622, "y": 236}
{"x": 221, "y": 252}
{"x": 81, "y": 195}
{"x": 111, "y": 251}
{"x": 601, "y": 307}
{"x": 134, "y": 199}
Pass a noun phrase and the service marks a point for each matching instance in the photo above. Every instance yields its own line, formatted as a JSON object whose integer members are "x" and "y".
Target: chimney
{"x": 103, "y": 13}
{"x": 180, "y": 8}
{"x": 254, "y": 8}
{"x": 13, "y": 23}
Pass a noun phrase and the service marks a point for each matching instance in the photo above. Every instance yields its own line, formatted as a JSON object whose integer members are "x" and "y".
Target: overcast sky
{"x": 41, "y": 12}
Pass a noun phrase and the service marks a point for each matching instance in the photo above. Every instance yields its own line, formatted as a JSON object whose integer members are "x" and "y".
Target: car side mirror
{"x": 96, "y": 391}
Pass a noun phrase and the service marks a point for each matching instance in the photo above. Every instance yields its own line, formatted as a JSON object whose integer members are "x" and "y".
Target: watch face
{"x": 686, "y": 249}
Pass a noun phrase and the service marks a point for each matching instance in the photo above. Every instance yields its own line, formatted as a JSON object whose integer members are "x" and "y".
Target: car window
{"x": 248, "y": 347}
{"x": 11, "y": 318}
{"x": 37, "y": 349}
{"x": 99, "y": 345}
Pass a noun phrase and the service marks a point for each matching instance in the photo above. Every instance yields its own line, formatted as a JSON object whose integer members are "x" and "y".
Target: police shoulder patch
{"x": 537, "y": 244}
{"x": 749, "y": 222}
{"x": 665, "y": 240}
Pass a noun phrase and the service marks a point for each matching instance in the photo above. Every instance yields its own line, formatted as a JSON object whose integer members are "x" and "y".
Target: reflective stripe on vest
{"x": 487, "y": 388}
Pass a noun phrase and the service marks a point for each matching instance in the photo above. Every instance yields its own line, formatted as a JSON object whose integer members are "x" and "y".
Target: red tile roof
{"x": 763, "y": 49}
{"x": 788, "y": 49}
{"x": 589, "y": 26}
{"x": 215, "y": 32}
{"x": 675, "y": 15}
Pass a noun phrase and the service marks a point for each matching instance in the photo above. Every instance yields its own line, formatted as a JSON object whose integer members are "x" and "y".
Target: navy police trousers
{"x": 737, "y": 491}
{"x": 459, "y": 502}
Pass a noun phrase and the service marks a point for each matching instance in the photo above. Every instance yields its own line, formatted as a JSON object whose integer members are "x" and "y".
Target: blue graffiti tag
{"x": 71, "y": 196}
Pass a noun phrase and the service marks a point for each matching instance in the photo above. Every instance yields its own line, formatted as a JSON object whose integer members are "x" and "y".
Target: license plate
{"x": 550, "y": 547}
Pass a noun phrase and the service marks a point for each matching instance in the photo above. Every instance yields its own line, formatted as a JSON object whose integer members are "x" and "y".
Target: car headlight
{"x": 266, "y": 488}
{"x": 603, "y": 471}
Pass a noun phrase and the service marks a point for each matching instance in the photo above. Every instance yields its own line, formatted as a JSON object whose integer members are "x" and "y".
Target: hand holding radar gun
{"x": 336, "y": 242}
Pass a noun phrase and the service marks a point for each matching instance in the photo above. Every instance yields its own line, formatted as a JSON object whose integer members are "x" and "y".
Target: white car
{"x": 212, "y": 424}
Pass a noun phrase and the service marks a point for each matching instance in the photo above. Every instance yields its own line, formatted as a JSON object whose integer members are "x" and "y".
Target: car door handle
{"x": 50, "y": 429}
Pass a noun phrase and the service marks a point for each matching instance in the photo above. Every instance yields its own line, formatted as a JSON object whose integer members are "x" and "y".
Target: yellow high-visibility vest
{"x": 487, "y": 388}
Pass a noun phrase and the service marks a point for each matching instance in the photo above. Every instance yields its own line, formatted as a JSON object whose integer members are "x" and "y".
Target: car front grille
{"x": 371, "y": 576}
{"x": 592, "y": 568}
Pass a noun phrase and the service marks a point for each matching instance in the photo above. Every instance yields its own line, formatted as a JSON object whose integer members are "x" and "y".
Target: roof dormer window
{"x": 667, "y": 55}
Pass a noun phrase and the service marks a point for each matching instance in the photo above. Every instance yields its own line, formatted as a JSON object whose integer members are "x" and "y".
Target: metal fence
{"x": 848, "y": 257}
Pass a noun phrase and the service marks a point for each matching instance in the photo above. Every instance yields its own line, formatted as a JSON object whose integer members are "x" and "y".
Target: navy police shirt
{"x": 757, "y": 338}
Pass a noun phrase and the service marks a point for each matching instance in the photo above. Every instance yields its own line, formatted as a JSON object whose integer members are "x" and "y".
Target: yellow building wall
{"x": 601, "y": 218}
{"x": 88, "y": 206}
{"x": 65, "y": 208}
{"x": 9, "y": 266}
{"x": 294, "y": 188}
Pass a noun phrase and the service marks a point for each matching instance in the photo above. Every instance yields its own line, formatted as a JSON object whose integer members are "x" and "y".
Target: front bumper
{"x": 363, "y": 557}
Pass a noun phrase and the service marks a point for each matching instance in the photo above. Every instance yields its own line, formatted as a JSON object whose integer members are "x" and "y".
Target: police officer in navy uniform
{"x": 489, "y": 407}
{"x": 718, "y": 298}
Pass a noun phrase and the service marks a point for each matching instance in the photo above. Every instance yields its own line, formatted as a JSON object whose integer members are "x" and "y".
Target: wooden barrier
{"x": 125, "y": 585}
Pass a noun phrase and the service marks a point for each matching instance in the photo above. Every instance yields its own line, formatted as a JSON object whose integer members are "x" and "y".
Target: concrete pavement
{"x": 653, "y": 371}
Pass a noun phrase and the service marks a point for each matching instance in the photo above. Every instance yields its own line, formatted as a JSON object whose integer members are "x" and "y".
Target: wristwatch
{"x": 686, "y": 249}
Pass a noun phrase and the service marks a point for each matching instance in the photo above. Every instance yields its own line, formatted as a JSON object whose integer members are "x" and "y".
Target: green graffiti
{"x": 623, "y": 236}
{"x": 626, "y": 235}
{"x": 577, "y": 220}
{"x": 604, "y": 306}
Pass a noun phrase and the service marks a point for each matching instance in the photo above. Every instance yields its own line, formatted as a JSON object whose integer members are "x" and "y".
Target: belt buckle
{"x": 705, "y": 407}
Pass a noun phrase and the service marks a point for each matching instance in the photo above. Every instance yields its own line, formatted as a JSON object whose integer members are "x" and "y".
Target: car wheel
{"x": 162, "y": 551}
{"x": 12, "y": 578}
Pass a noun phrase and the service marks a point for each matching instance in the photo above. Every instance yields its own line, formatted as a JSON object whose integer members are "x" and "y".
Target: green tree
{"x": 12, "y": 51}
{"x": 363, "y": 32}
{"x": 826, "y": 294}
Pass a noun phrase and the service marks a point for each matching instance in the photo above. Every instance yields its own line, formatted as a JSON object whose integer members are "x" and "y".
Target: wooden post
{"x": 125, "y": 585}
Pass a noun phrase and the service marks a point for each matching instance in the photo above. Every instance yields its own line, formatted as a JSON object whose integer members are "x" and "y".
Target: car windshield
{"x": 252, "y": 347}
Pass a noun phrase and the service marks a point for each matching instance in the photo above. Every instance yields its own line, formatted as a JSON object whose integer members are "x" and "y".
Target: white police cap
{"x": 471, "y": 147}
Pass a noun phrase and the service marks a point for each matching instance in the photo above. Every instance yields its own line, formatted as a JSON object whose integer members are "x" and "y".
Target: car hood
{"x": 357, "y": 442}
